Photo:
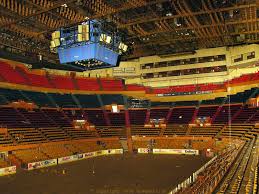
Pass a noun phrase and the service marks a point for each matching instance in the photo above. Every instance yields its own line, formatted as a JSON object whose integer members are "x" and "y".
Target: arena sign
{"x": 41, "y": 164}
{"x": 176, "y": 151}
{"x": 88, "y": 155}
{"x": 7, "y": 170}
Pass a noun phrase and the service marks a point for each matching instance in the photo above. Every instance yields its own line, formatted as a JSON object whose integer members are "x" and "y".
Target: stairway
{"x": 124, "y": 144}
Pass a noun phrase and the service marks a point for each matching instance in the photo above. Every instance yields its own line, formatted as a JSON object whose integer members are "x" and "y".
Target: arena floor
{"x": 118, "y": 174}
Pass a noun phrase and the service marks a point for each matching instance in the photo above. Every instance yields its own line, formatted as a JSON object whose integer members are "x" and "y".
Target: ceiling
{"x": 148, "y": 26}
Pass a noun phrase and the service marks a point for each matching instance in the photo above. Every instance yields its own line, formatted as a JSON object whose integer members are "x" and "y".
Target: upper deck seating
{"x": 9, "y": 74}
{"x": 63, "y": 82}
{"x": 39, "y": 80}
{"x": 112, "y": 85}
{"x": 88, "y": 84}
{"x": 135, "y": 87}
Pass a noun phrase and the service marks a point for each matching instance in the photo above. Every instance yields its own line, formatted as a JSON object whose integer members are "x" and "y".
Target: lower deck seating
{"x": 30, "y": 155}
{"x": 5, "y": 139}
{"x": 172, "y": 130}
{"x": 79, "y": 133}
{"x": 111, "y": 131}
{"x": 27, "y": 135}
{"x": 142, "y": 131}
{"x": 56, "y": 151}
{"x": 89, "y": 146}
{"x": 238, "y": 130}
{"x": 140, "y": 144}
{"x": 206, "y": 131}
{"x": 203, "y": 144}
{"x": 3, "y": 163}
{"x": 54, "y": 134}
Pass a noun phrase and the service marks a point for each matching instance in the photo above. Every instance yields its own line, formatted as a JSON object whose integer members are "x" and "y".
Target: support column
{"x": 128, "y": 132}
{"x": 216, "y": 114}
{"x": 127, "y": 125}
{"x": 169, "y": 114}
{"x": 237, "y": 113}
{"x": 105, "y": 114}
{"x": 195, "y": 113}
{"x": 147, "y": 116}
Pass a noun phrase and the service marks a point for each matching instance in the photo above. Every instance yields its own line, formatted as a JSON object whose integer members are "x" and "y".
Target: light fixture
{"x": 123, "y": 47}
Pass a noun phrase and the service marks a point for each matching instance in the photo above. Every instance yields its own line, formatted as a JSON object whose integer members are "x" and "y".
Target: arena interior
{"x": 129, "y": 96}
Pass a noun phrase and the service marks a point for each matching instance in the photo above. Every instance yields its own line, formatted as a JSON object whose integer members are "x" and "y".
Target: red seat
{"x": 88, "y": 84}
{"x": 9, "y": 74}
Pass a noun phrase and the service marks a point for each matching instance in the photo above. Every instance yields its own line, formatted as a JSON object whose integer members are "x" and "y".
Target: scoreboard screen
{"x": 87, "y": 52}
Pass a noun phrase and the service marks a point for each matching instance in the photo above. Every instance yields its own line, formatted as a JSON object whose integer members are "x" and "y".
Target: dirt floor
{"x": 117, "y": 174}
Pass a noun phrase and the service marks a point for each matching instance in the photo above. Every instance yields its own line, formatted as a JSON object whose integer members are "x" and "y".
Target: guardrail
{"x": 76, "y": 157}
{"x": 192, "y": 178}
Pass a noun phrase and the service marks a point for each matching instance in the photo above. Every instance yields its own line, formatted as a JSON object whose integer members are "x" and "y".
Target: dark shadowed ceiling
{"x": 148, "y": 26}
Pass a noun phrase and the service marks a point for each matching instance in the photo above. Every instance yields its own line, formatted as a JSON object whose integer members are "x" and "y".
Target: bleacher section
{"x": 226, "y": 113}
{"x": 26, "y": 135}
{"x": 137, "y": 117}
{"x": 158, "y": 113}
{"x": 181, "y": 115}
{"x": 173, "y": 130}
{"x": 5, "y": 139}
{"x": 57, "y": 117}
{"x": 55, "y": 134}
{"x": 95, "y": 117}
{"x": 10, "y": 117}
{"x": 63, "y": 100}
{"x": 111, "y": 131}
{"x": 143, "y": 131}
{"x": 171, "y": 143}
{"x": 79, "y": 133}
{"x": 206, "y": 131}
